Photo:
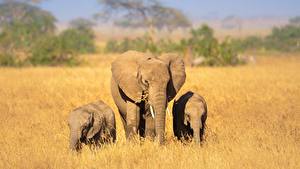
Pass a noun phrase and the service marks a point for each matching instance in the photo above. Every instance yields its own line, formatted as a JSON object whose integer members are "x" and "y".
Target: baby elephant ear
{"x": 96, "y": 126}
{"x": 186, "y": 119}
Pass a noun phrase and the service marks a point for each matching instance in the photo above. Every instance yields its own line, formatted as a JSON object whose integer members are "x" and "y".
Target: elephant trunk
{"x": 74, "y": 140}
{"x": 159, "y": 102}
{"x": 196, "y": 125}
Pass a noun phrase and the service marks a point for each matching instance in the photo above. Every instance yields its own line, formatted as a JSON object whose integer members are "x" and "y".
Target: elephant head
{"x": 83, "y": 126}
{"x": 156, "y": 80}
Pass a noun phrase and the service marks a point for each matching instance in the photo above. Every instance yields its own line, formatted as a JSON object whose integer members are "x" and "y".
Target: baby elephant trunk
{"x": 74, "y": 140}
{"x": 196, "y": 126}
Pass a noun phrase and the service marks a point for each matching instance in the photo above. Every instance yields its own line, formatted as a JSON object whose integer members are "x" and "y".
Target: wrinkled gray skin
{"x": 141, "y": 80}
{"x": 189, "y": 116}
{"x": 91, "y": 123}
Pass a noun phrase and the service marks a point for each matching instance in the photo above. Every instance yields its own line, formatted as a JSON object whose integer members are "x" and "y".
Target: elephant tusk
{"x": 152, "y": 112}
{"x": 168, "y": 112}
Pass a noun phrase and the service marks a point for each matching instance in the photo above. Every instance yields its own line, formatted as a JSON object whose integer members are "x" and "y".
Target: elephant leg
{"x": 150, "y": 127}
{"x": 203, "y": 120}
{"x": 96, "y": 140}
{"x": 112, "y": 134}
{"x": 202, "y": 130}
{"x": 137, "y": 118}
{"x": 120, "y": 103}
{"x": 123, "y": 119}
{"x": 141, "y": 126}
{"x": 131, "y": 119}
{"x": 202, "y": 133}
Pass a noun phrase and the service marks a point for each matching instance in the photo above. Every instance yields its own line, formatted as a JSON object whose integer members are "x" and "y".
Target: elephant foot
{"x": 159, "y": 140}
{"x": 150, "y": 134}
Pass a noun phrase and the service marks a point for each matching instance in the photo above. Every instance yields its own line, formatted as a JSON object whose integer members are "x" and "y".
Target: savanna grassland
{"x": 253, "y": 120}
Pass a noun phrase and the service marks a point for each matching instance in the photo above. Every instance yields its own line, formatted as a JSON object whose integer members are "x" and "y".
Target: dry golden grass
{"x": 253, "y": 121}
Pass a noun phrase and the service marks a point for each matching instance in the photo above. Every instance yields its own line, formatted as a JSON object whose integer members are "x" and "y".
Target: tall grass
{"x": 253, "y": 119}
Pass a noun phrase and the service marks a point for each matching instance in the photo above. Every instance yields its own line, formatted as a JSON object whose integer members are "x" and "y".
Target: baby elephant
{"x": 189, "y": 116}
{"x": 91, "y": 123}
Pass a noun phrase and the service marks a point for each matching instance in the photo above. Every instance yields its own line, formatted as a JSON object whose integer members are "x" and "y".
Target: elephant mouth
{"x": 149, "y": 110}
{"x": 145, "y": 96}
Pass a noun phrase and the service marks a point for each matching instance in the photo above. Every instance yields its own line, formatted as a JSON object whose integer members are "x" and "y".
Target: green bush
{"x": 229, "y": 55}
{"x": 52, "y": 51}
{"x": 142, "y": 44}
{"x": 286, "y": 39}
{"x": 32, "y": 34}
{"x": 112, "y": 46}
{"x": 80, "y": 41}
{"x": 63, "y": 49}
{"x": 202, "y": 43}
{"x": 165, "y": 46}
{"x": 21, "y": 31}
{"x": 249, "y": 43}
{"x": 7, "y": 60}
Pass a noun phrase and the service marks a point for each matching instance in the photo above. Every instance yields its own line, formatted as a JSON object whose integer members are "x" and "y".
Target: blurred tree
{"x": 65, "y": 48}
{"x": 203, "y": 42}
{"x": 142, "y": 13}
{"x": 201, "y": 48}
{"x": 295, "y": 21}
{"x": 22, "y": 24}
{"x": 20, "y": 12}
{"x": 81, "y": 35}
{"x": 62, "y": 49}
{"x": 286, "y": 38}
{"x": 232, "y": 22}
{"x": 82, "y": 24}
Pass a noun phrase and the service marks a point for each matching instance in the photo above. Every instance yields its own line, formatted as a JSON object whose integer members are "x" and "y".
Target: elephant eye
{"x": 145, "y": 82}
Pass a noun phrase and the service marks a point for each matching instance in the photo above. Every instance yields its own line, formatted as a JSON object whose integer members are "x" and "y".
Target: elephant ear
{"x": 125, "y": 71}
{"x": 96, "y": 124}
{"x": 177, "y": 73}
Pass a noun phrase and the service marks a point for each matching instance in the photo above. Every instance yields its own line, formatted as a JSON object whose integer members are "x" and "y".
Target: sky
{"x": 66, "y": 10}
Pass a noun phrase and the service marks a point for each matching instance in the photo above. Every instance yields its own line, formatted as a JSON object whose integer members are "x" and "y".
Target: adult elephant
{"x": 142, "y": 83}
